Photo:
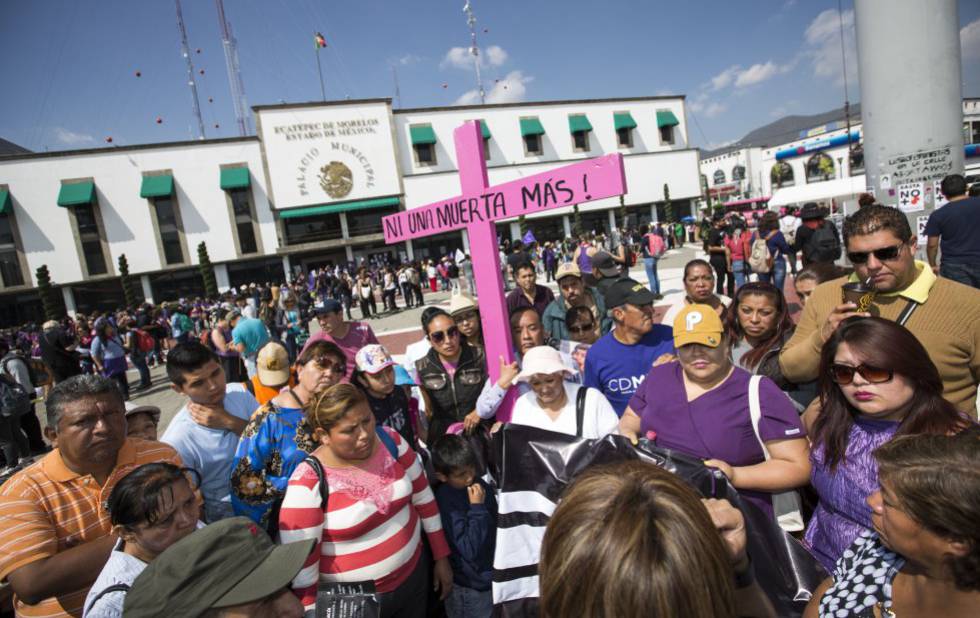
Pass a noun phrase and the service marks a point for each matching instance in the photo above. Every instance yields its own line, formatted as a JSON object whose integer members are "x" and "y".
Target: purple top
{"x": 584, "y": 261}
{"x": 843, "y": 514}
{"x": 716, "y": 425}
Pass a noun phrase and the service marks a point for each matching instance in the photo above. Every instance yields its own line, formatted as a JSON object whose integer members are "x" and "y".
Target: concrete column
{"x": 515, "y": 230}
{"x": 566, "y": 223}
{"x": 911, "y": 100}
{"x": 653, "y": 213}
{"x": 348, "y": 248}
{"x": 147, "y": 288}
{"x": 69, "y": 297}
{"x": 466, "y": 242}
{"x": 343, "y": 226}
{"x": 612, "y": 218}
{"x": 409, "y": 250}
{"x": 221, "y": 277}
{"x": 287, "y": 268}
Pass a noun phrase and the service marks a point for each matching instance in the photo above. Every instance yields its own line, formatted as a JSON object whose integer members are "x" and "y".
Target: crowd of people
{"x": 305, "y": 471}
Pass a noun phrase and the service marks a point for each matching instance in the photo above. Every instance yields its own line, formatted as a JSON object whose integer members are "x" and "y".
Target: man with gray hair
{"x": 55, "y": 528}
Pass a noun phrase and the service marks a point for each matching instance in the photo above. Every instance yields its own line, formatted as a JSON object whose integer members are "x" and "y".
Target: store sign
{"x": 328, "y": 154}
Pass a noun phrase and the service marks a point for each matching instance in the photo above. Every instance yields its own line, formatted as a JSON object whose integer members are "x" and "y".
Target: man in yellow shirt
{"x": 942, "y": 314}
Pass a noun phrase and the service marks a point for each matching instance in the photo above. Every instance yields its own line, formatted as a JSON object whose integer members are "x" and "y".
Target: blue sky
{"x": 69, "y": 67}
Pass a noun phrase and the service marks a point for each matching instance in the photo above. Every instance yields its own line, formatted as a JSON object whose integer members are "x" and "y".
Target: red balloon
{"x": 159, "y": 120}
{"x": 138, "y": 74}
{"x": 108, "y": 139}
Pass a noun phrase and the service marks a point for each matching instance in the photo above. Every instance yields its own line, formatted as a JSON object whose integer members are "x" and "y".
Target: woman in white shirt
{"x": 555, "y": 404}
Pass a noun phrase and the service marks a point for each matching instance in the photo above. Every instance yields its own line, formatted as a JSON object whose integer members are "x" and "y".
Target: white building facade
{"x": 309, "y": 190}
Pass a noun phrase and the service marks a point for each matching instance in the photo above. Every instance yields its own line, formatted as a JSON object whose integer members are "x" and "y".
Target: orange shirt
{"x": 47, "y": 508}
{"x": 264, "y": 394}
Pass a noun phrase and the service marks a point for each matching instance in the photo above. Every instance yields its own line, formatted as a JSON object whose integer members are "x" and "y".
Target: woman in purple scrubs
{"x": 877, "y": 381}
{"x": 700, "y": 406}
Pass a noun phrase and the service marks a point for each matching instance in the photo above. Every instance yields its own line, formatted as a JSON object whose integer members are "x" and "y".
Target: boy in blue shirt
{"x": 205, "y": 431}
{"x": 469, "y": 520}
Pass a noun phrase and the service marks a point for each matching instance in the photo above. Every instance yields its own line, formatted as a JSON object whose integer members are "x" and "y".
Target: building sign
{"x": 329, "y": 153}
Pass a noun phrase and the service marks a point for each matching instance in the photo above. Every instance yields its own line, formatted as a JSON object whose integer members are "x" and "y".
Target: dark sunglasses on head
{"x": 844, "y": 374}
{"x": 885, "y": 254}
{"x": 440, "y": 335}
{"x": 327, "y": 363}
{"x": 582, "y": 328}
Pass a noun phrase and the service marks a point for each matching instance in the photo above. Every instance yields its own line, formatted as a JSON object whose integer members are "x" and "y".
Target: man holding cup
{"x": 942, "y": 314}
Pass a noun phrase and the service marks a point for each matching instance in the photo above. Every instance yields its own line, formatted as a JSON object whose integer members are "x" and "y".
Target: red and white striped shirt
{"x": 354, "y": 541}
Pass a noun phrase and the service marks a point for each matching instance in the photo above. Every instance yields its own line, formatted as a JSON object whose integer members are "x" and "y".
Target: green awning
{"x": 666, "y": 118}
{"x": 579, "y": 122}
{"x": 157, "y": 186}
{"x": 234, "y": 178}
{"x": 623, "y": 120}
{"x": 4, "y": 201}
{"x": 422, "y": 135}
{"x": 76, "y": 193}
{"x": 531, "y": 126}
{"x": 326, "y": 209}
{"x": 485, "y": 129}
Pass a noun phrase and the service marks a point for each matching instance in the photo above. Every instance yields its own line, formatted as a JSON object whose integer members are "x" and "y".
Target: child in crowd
{"x": 142, "y": 421}
{"x": 392, "y": 404}
{"x": 205, "y": 431}
{"x": 469, "y": 519}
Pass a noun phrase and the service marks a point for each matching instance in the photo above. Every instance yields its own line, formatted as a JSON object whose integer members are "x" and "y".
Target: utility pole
{"x": 474, "y": 50}
{"x": 184, "y": 49}
{"x": 230, "y": 45}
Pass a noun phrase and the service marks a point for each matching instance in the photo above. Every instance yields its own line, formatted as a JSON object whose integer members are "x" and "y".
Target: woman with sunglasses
{"x": 923, "y": 558}
{"x": 277, "y": 437}
{"x": 699, "y": 289}
{"x": 150, "y": 509}
{"x": 450, "y": 376}
{"x": 582, "y": 325}
{"x": 876, "y": 382}
{"x": 759, "y": 324}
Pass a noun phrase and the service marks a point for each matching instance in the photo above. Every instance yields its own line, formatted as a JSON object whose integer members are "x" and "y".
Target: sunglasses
{"x": 327, "y": 363}
{"x": 885, "y": 254}
{"x": 844, "y": 374}
{"x": 440, "y": 335}
{"x": 582, "y": 328}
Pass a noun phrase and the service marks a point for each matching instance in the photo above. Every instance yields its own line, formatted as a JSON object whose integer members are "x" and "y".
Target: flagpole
{"x": 319, "y": 71}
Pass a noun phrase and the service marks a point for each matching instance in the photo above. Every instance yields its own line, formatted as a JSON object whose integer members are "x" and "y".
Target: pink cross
{"x": 480, "y": 205}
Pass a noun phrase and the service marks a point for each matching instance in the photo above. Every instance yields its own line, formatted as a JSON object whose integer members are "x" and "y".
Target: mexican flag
{"x": 319, "y": 41}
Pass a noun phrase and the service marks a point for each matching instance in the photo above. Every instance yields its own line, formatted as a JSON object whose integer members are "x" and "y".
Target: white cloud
{"x": 717, "y": 145}
{"x": 714, "y": 109}
{"x": 756, "y": 73}
{"x": 71, "y": 138}
{"x": 460, "y": 58}
{"x": 823, "y": 45}
{"x": 509, "y": 89}
{"x": 408, "y": 59}
{"x": 970, "y": 40}
{"x": 725, "y": 78}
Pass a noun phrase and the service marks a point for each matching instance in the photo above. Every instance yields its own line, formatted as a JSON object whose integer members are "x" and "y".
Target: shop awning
{"x": 76, "y": 193}
{"x": 157, "y": 186}
{"x": 422, "y": 135}
{"x": 4, "y": 201}
{"x": 579, "y": 123}
{"x": 623, "y": 120}
{"x": 531, "y": 126}
{"x": 814, "y": 192}
{"x": 326, "y": 209}
{"x": 234, "y": 178}
{"x": 666, "y": 118}
{"x": 485, "y": 130}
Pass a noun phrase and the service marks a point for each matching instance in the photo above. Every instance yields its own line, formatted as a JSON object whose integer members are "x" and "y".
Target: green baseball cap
{"x": 229, "y": 562}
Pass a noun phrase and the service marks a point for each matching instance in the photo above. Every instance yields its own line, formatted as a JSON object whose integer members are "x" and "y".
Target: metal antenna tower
{"x": 242, "y": 116}
{"x": 190, "y": 70}
{"x": 398, "y": 94}
{"x": 474, "y": 50}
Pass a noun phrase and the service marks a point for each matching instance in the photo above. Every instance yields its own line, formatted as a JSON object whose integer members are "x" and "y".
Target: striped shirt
{"x": 47, "y": 508}
{"x": 354, "y": 541}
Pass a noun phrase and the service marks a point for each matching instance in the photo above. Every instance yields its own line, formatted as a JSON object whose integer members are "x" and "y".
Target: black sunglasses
{"x": 326, "y": 363}
{"x": 582, "y": 328}
{"x": 844, "y": 374}
{"x": 885, "y": 254}
{"x": 440, "y": 335}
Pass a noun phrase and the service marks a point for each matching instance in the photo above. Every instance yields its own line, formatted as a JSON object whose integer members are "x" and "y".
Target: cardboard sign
{"x": 911, "y": 197}
{"x": 480, "y": 205}
{"x": 920, "y": 227}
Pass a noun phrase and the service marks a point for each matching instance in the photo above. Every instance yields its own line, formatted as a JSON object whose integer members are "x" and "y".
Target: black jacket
{"x": 451, "y": 399}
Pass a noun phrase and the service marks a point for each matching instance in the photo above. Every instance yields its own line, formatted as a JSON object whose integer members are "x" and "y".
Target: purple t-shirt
{"x": 716, "y": 425}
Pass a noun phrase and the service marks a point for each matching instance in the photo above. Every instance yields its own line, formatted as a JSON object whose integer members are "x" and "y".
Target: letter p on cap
{"x": 692, "y": 320}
